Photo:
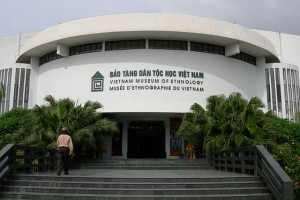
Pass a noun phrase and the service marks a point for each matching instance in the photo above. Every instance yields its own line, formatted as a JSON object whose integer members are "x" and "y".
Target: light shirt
{"x": 64, "y": 140}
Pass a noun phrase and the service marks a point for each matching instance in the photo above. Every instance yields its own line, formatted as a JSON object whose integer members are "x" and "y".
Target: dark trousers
{"x": 63, "y": 160}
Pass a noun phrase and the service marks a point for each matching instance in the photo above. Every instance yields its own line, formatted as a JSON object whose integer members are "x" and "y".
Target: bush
{"x": 293, "y": 170}
{"x": 10, "y": 123}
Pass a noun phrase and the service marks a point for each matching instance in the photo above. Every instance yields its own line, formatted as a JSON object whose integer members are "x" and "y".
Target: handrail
{"x": 255, "y": 160}
{"x": 6, "y": 160}
{"x": 24, "y": 159}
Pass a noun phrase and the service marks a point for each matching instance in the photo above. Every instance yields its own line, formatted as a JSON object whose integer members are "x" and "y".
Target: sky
{"x": 18, "y": 16}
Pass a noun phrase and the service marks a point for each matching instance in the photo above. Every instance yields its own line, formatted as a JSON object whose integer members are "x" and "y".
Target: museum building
{"x": 147, "y": 69}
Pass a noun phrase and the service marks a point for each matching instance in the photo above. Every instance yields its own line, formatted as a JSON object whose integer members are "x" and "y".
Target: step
{"x": 135, "y": 191}
{"x": 148, "y": 161}
{"x": 138, "y": 185}
{"x": 51, "y": 177}
{"x": 16, "y": 195}
{"x": 147, "y": 164}
{"x": 145, "y": 167}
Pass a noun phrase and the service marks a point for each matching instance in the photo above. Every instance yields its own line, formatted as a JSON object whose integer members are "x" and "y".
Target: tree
{"x": 85, "y": 124}
{"x": 194, "y": 126}
{"x": 231, "y": 123}
{"x": 227, "y": 127}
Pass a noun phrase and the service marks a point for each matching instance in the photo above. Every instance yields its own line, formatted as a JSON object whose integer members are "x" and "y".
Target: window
{"x": 273, "y": 90}
{"x": 27, "y": 86}
{"x": 277, "y": 75}
{"x": 85, "y": 48}
{"x": 268, "y": 88}
{"x": 49, "y": 57}
{"x": 245, "y": 57}
{"x": 125, "y": 45}
{"x": 291, "y": 92}
{"x": 207, "y": 48}
{"x": 16, "y": 88}
{"x": 21, "y": 89}
{"x": 168, "y": 44}
{"x": 5, "y": 79}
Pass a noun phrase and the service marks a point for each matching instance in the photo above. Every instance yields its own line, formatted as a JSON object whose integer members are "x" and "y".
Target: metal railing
{"x": 255, "y": 160}
{"x": 24, "y": 159}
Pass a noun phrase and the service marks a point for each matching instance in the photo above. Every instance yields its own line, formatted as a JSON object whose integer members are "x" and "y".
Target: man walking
{"x": 65, "y": 149}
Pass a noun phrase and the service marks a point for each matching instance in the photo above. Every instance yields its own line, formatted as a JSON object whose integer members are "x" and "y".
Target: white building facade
{"x": 148, "y": 69}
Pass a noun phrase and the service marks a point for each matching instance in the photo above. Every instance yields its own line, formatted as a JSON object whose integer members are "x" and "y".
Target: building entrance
{"x": 146, "y": 139}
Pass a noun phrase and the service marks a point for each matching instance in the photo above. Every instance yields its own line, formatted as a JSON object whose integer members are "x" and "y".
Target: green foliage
{"x": 238, "y": 123}
{"x": 6, "y": 139}
{"x": 232, "y": 122}
{"x": 289, "y": 134}
{"x": 194, "y": 126}
{"x": 85, "y": 124}
{"x": 12, "y": 120}
{"x": 11, "y": 123}
{"x": 293, "y": 169}
{"x": 41, "y": 125}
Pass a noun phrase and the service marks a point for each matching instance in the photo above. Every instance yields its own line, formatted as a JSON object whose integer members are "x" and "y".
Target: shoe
{"x": 58, "y": 174}
{"x": 66, "y": 173}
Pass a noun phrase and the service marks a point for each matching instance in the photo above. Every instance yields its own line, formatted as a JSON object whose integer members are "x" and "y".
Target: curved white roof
{"x": 147, "y": 25}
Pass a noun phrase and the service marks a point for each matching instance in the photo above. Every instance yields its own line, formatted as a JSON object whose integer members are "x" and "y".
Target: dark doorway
{"x": 146, "y": 139}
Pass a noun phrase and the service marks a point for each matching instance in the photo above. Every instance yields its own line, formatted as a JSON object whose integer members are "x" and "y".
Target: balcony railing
{"x": 24, "y": 159}
{"x": 255, "y": 160}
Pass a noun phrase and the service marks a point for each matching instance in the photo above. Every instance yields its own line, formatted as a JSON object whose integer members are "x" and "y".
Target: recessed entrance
{"x": 146, "y": 139}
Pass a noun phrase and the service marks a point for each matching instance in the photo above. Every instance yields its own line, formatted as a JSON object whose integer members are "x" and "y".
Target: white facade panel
{"x": 173, "y": 79}
{"x": 8, "y": 49}
{"x": 10, "y": 46}
{"x": 287, "y": 46}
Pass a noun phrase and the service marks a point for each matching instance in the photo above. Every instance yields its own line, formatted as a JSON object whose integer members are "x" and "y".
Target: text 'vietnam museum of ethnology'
{"x": 147, "y": 70}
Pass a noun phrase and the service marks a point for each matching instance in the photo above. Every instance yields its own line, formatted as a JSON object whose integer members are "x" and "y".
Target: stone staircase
{"x": 137, "y": 180}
